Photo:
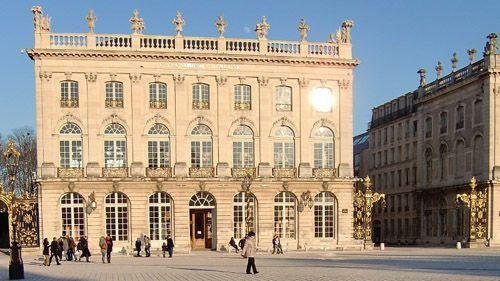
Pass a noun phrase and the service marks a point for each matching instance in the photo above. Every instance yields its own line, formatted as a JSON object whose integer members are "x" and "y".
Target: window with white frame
{"x": 284, "y": 215}
{"x": 160, "y": 216}
{"x": 283, "y": 98}
{"x": 69, "y": 94}
{"x": 325, "y": 213}
{"x": 244, "y": 214}
{"x": 158, "y": 95}
{"x": 116, "y": 209}
{"x": 158, "y": 146}
{"x": 114, "y": 94}
{"x": 201, "y": 147}
{"x": 243, "y": 148}
{"x": 201, "y": 96}
{"x": 70, "y": 146}
{"x": 460, "y": 117}
{"x": 242, "y": 97}
{"x": 115, "y": 146}
{"x": 324, "y": 148}
{"x": 72, "y": 215}
{"x": 284, "y": 148}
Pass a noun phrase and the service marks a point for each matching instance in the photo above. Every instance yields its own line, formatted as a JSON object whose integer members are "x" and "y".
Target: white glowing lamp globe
{"x": 322, "y": 99}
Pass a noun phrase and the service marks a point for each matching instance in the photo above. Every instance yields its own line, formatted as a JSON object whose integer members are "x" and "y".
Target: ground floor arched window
{"x": 117, "y": 216}
{"x": 72, "y": 215}
{"x": 160, "y": 216}
{"x": 325, "y": 214}
{"x": 244, "y": 214}
{"x": 285, "y": 208}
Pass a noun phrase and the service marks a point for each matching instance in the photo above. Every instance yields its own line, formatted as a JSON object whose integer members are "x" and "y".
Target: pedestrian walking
{"x": 109, "y": 242}
{"x": 170, "y": 246}
{"x": 249, "y": 251}
{"x": 232, "y": 243}
{"x": 54, "y": 251}
{"x": 46, "y": 249}
{"x": 61, "y": 244}
{"x": 164, "y": 248}
{"x": 104, "y": 248}
{"x": 65, "y": 246}
{"x": 138, "y": 246}
{"x": 147, "y": 246}
{"x": 84, "y": 245}
{"x": 71, "y": 249}
{"x": 277, "y": 245}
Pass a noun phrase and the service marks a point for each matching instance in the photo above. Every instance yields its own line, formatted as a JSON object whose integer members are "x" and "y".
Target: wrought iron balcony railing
{"x": 158, "y": 104}
{"x": 201, "y": 172}
{"x": 324, "y": 172}
{"x": 159, "y": 172}
{"x": 242, "y": 106}
{"x": 242, "y": 172}
{"x": 114, "y": 103}
{"x": 284, "y": 172}
{"x": 69, "y": 103}
{"x": 70, "y": 172}
{"x": 115, "y": 172}
{"x": 200, "y": 105}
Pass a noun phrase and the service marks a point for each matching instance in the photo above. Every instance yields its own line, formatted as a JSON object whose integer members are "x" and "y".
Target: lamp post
{"x": 16, "y": 267}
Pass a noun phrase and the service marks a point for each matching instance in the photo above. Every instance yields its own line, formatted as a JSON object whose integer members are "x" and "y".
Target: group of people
{"x": 277, "y": 249}
{"x": 167, "y": 247}
{"x": 65, "y": 247}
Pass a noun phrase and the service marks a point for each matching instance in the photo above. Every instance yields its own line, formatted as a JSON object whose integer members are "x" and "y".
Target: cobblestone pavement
{"x": 391, "y": 264}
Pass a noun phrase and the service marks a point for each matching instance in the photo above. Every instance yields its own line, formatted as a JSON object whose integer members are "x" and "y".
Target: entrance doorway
{"x": 201, "y": 228}
{"x": 4, "y": 226}
{"x": 202, "y": 214}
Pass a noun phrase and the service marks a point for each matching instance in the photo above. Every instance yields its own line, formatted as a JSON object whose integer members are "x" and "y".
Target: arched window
{"x": 157, "y": 95}
{"x": 243, "y": 148}
{"x": 428, "y": 164}
{"x": 428, "y": 127}
{"x": 69, "y": 94}
{"x": 202, "y": 199}
{"x": 70, "y": 146}
{"x": 72, "y": 215}
{"x": 324, "y": 148}
{"x": 158, "y": 146}
{"x": 114, "y": 94}
{"x": 117, "y": 216}
{"x": 477, "y": 154}
{"x": 284, "y": 215}
{"x": 115, "y": 146}
{"x": 244, "y": 214}
{"x": 242, "y": 97}
{"x": 460, "y": 117}
{"x": 201, "y": 96}
{"x": 201, "y": 147}
{"x": 284, "y": 148}
{"x": 283, "y": 99}
{"x": 325, "y": 214}
{"x": 460, "y": 158}
{"x": 160, "y": 216}
{"x": 443, "y": 153}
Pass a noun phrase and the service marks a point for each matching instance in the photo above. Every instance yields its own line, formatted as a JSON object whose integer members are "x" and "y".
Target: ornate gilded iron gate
{"x": 476, "y": 201}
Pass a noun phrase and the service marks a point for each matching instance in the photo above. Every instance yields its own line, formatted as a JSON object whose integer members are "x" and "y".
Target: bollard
{"x": 382, "y": 246}
{"x": 459, "y": 245}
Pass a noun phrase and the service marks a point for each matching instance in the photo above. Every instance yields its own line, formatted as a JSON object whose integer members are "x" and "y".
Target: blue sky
{"x": 392, "y": 39}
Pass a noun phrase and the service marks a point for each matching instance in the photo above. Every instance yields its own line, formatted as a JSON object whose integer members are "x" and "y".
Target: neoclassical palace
{"x": 201, "y": 138}
{"x": 425, "y": 147}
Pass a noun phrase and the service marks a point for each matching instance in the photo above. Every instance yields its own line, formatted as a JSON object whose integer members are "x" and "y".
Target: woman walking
{"x": 249, "y": 251}
{"x": 104, "y": 248}
{"x": 46, "y": 245}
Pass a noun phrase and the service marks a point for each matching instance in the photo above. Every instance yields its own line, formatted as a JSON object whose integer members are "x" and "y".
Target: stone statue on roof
{"x": 179, "y": 23}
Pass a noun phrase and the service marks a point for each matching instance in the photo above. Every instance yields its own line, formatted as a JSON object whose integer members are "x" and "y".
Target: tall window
{"x": 69, "y": 94}
{"x": 157, "y": 95}
{"x": 325, "y": 213}
{"x": 443, "y": 117}
{"x": 73, "y": 215}
{"x": 114, "y": 94}
{"x": 428, "y": 164}
{"x": 158, "y": 146}
{"x": 460, "y": 158}
{"x": 284, "y": 214}
{"x": 70, "y": 146}
{"x": 324, "y": 148}
{"x": 284, "y": 150}
{"x": 244, "y": 214}
{"x": 443, "y": 151}
{"x": 478, "y": 107}
{"x": 117, "y": 216}
{"x": 160, "y": 216}
{"x": 115, "y": 146}
{"x": 242, "y": 97}
{"x": 477, "y": 155}
{"x": 201, "y": 147}
{"x": 428, "y": 127}
{"x": 243, "y": 152}
{"x": 201, "y": 96}
{"x": 460, "y": 117}
{"x": 283, "y": 98}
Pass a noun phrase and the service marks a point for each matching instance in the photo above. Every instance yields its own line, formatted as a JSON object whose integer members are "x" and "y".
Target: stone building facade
{"x": 426, "y": 145}
{"x": 203, "y": 139}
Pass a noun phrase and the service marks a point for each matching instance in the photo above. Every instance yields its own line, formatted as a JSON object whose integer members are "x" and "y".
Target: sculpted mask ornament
{"x": 178, "y": 22}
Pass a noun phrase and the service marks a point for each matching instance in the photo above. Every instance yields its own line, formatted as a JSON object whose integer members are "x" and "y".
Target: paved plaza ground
{"x": 391, "y": 264}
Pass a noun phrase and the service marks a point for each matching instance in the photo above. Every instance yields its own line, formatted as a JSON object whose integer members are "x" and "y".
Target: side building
{"x": 426, "y": 146}
{"x": 201, "y": 138}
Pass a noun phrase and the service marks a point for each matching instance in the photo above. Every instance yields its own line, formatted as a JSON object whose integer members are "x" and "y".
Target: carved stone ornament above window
{"x": 91, "y": 76}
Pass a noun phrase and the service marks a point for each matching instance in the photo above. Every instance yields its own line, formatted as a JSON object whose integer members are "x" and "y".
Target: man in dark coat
{"x": 170, "y": 246}
{"x": 138, "y": 246}
{"x": 109, "y": 242}
{"x": 54, "y": 251}
{"x": 84, "y": 245}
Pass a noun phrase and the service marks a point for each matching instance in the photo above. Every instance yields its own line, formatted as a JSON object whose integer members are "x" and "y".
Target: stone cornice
{"x": 38, "y": 53}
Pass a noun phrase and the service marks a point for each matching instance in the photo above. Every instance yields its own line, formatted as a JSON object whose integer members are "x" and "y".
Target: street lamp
{"x": 16, "y": 267}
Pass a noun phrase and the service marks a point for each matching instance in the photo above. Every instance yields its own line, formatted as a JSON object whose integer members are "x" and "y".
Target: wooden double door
{"x": 201, "y": 228}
